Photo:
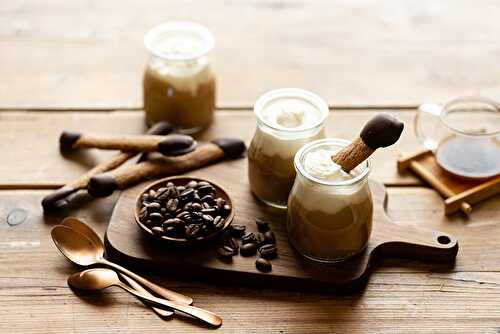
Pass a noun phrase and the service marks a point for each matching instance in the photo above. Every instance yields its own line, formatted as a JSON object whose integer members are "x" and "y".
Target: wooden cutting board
{"x": 129, "y": 245}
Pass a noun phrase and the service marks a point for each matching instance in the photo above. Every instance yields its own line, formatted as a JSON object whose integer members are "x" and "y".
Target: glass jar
{"x": 178, "y": 84}
{"x": 278, "y": 136}
{"x": 329, "y": 220}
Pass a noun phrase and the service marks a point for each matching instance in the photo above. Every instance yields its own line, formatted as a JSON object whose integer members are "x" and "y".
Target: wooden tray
{"x": 127, "y": 244}
{"x": 459, "y": 193}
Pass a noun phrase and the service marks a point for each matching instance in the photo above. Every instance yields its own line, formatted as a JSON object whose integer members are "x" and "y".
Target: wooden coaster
{"x": 459, "y": 193}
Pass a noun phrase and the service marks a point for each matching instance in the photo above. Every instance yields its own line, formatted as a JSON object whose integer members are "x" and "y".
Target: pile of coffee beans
{"x": 262, "y": 243}
{"x": 187, "y": 211}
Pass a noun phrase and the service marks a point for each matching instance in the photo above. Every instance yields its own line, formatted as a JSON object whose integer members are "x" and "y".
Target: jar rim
{"x": 159, "y": 32}
{"x": 297, "y": 161}
{"x": 308, "y": 96}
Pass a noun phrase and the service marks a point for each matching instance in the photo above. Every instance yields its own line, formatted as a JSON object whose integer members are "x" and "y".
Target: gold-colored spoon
{"x": 101, "y": 278}
{"x": 80, "y": 250}
{"x": 79, "y": 226}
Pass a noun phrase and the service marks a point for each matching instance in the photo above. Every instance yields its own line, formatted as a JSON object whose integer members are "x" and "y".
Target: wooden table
{"x": 77, "y": 65}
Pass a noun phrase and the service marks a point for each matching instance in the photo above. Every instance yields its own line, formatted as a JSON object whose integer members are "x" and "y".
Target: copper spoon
{"x": 101, "y": 278}
{"x": 80, "y": 250}
{"x": 79, "y": 226}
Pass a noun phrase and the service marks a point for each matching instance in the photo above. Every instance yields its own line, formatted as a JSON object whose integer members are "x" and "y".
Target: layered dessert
{"x": 287, "y": 119}
{"x": 179, "y": 85}
{"x": 329, "y": 211}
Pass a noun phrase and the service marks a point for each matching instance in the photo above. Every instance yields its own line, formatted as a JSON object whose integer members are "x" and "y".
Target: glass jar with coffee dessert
{"x": 178, "y": 84}
{"x": 329, "y": 211}
{"x": 286, "y": 119}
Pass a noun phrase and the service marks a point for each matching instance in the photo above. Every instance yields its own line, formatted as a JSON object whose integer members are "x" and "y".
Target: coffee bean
{"x": 219, "y": 203}
{"x": 172, "y": 204}
{"x": 188, "y": 207}
{"x": 269, "y": 237}
{"x": 162, "y": 194}
{"x": 170, "y": 184}
{"x": 206, "y": 190}
{"x": 259, "y": 238}
{"x": 208, "y": 218}
{"x": 196, "y": 207}
{"x": 209, "y": 211}
{"x": 184, "y": 215}
{"x": 156, "y": 217}
{"x": 248, "y": 238}
{"x": 180, "y": 189}
{"x": 263, "y": 265}
{"x": 248, "y": 249}
{"x": 170, "y": 231}
{"x": 208, "y": 199}
{"x": 172, "y": 222}
{"x": 226, "y": 209}
{"x": 154, "y": 207}
{"x": 262, "y": 225}
{"x": 203, "y": 183}
{"x": 268, "y": 251}
{"x": 218, "y": 223}
{"x": 152, "y": 194}
{"x": 192, "y": 184}
{"x": 192, "y": 231}
{"x": 225, "y": 251}
{"x": 186, "y": 195}
{"x": 238, "y": 230}
{"x": 157, "y": 230}
{"x": 163, "y": 211}
{"x": 233, "y": 243}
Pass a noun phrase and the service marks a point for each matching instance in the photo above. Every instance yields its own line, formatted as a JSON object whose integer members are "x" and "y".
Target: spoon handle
{"x": 165, "y": 293}
{"x": 136, "y": 286}
{"x": 204, "y": 315}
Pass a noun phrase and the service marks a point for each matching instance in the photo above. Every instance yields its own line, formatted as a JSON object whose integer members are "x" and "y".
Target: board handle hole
{"x": 444, "y": 240}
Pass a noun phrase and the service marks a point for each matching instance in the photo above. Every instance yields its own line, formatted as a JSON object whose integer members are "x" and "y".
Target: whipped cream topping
{"x": 290, "y": 113}
{"x": 319, "y": 164}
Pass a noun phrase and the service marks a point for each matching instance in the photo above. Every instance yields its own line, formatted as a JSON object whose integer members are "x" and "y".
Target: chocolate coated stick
{"x": 60, "y": 197}
{"x": 381, "y": 131}
{"x": 170, "y": 145}
{"x": 103, "y": 185}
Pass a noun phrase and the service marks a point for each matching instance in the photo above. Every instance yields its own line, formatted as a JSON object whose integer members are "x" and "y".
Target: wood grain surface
{"x": 89, "y": 54}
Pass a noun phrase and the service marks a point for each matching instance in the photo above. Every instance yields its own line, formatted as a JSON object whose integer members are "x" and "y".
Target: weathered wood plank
{"x": 34, "y": 296}
{"x": 351, "y": 52}
{"x": 31, "y": 158}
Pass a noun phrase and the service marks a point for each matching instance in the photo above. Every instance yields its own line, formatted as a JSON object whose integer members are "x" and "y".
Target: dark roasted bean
{"x": 173, "y": 222}
{"x": 263, "y": 265}
{"x": 209, "y": 199}
{"x": 233, "y": 243}
{"x": 269, "y": 237}
{"x": 225, "y": 251}
{"x": 208, "y": 218}
{"x": 157, "y": 230}
{"x": 259, "y": 238}
{"x": 202, "y": 183}
{"x": 226, "y": 209}
{"x": 206, "y": 190}
{"x": 154, "y": 207}
{"x": 192, "y": 231}
{"x": 205, "y": 205}
{"x": 163, "y": 211}
{"x": 183, "y": 215}
{"x": 196, "y": 198}
{"x": 156, "y": 217}
{"x": 152, "y": 194}
{"x": 188, "y": 206}
{"x": 248, "y": 237}
{"x": 192, "y": 184}
{"x": 268, "y": 251}
{"x": 196, "y": 207}
{"x": 148, "y": 222}
{"x": 238, "y": 230}
{"x": 170, "y": 231}
{"x": 186, "y": 195}
{"x": 172, "y": 204}
{"x": 220, "y": 223}
{"x": 180, "y": 189}
{"x": 248, "y": 249}
{"x": 170, "y": 184}
{"x": 219, "y": 203}
{"x": 262, "y": 225}
{"x": 209, "y": 211}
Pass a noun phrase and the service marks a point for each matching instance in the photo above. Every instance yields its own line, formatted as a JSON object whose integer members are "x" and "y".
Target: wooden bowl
{"x": 180, "y": 181}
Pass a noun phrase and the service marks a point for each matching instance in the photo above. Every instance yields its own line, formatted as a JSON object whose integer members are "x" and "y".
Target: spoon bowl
{"x": 75, "y": 246}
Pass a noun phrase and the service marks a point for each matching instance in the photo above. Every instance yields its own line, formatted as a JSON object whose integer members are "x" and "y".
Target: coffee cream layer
{"x": 326, "y": 220}
{"x": 286, "y": 125}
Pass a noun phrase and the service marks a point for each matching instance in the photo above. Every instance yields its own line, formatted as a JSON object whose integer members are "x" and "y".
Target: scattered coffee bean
{"x": 238, "y": 230}
{"x": 259, "y": 238}
{"x": 263, "y": 265}
{"x": 248, "y": 237}
{"x": 233, "y": 243}
{"x": 262, "y": 225}
{"x": 225, "y": 251}
{"x": 248, "y": 249}
{"x": 269, "y": 237}
{"x": 268, "y": 251}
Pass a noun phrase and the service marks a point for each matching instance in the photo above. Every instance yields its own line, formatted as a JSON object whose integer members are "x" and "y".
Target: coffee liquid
{"x": 470, "y": 157}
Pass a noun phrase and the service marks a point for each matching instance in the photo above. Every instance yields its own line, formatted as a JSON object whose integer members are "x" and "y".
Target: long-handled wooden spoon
{"x": 101, "y": 278}
{"x": 82, "y": 251}
{"x": 79, "y": 226}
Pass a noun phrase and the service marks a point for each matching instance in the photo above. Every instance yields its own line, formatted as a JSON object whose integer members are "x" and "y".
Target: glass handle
{"x": 427, "y": 110}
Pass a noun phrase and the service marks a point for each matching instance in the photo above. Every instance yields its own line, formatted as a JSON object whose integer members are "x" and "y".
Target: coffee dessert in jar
{"x": 329, "y": 211}
{"x": 178, "y": 83}
{"x": 286, "y": 120}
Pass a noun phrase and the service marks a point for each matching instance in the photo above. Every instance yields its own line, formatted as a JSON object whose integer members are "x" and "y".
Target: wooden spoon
{"x": 80, "y": 250}
{"x": 79, "y": 226}
{"x": 100, "y": 278}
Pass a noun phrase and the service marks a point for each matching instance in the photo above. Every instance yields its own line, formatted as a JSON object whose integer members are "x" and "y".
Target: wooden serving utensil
{"x": 103, "y": 185}
{"x": 61, "y": 197}
{"x": 100, "y": 278}
{"x": 381, "y": 131}
{"x": 169, "y": 145}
